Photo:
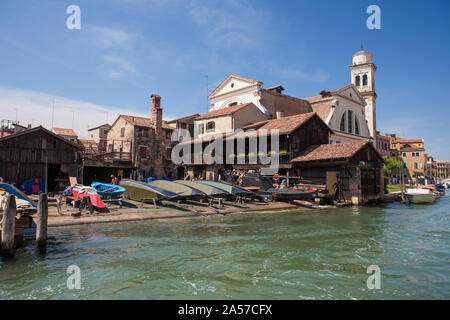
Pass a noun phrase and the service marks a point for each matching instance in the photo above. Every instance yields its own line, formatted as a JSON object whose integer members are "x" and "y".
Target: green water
{"x": 314, "y": 255}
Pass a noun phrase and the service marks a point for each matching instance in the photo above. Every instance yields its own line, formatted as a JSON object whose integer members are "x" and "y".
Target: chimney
{"x": 156, "y": 112}
{"x": 280, "y": 114}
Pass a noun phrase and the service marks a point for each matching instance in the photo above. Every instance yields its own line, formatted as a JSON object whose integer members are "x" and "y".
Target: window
{"x": 232, "y": 104}
{"x": 342, "y": 128}
{"x": 210, "y": 126}
{"x": 92, "y": 135}
{"x": 365, "y": 81}
{"x": 142, "y": 152}
{"x": 417, "y": 154}
{"x": 201, "y": 128}
{"x": 357, "y": 131}
{"x": 122, "y": 132}
{"x": 358, "y": 81}
{"x": 105, "y": 131}
{"x": 415, "y": 165}
{"x": 350, "y": 122}
{"x": 404, "y": 154}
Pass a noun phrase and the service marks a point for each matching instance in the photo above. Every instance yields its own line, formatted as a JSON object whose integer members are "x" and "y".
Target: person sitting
{"x": 114, "y": 180}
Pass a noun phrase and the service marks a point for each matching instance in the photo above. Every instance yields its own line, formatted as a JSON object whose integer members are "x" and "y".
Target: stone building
{"x": 228, "y": 119}
{"x": 67, "y": 134}
{"x": 236, "y": 90}
{"x": 99, "y": 135}
{"x": 343, "y": 111}
{"x": 383, "y": 145}
{"x": 442, "y": 170}
{"x": 362, "y": 73}
{"x": 144, "y": 143}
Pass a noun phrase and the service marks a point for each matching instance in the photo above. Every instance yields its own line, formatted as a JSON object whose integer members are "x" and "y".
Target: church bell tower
{"x": 362, "y": 73}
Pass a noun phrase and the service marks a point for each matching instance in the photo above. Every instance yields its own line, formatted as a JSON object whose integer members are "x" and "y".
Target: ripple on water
{"x": 290, "y": 255}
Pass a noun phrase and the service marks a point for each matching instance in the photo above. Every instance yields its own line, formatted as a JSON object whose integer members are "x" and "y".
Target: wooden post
{"x": 8, "y": 227}
{"x": 41, "y": 228}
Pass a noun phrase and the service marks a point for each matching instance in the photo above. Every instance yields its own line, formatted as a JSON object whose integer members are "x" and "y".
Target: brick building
{"x": 143, "y": 143}
{"x": 442, "y": 170}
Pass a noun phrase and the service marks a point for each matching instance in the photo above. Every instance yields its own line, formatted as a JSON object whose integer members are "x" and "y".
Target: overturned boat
{"x": 182, "y": 191}
{"x": 230, "y": 188}
{"x": 137, "y": 191}
{"x": 205, "y": 188}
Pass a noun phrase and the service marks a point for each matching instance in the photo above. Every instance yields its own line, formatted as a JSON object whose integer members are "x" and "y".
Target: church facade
{"x": 350, "y": 111}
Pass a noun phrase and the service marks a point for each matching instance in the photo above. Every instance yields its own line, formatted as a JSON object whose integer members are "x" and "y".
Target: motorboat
{"x": 419, "y": 196}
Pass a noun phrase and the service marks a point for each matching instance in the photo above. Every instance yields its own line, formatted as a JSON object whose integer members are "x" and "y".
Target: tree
{"x": 390, "y": 165}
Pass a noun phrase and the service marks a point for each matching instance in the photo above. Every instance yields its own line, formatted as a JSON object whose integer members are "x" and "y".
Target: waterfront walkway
{"x": 132, "y": 211}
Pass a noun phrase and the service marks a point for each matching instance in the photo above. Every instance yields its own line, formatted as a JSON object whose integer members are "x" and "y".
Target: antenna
{"x": 73, "y": 119}
{"x": 53, "y": 112}
{"x": 207, "y": 106}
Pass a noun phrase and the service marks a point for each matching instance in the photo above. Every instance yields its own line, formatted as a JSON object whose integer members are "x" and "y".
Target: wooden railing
{"x": 115, "y": 156}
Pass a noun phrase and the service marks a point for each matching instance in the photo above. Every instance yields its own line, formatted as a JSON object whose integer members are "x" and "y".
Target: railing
{"x": 115, "y": 156}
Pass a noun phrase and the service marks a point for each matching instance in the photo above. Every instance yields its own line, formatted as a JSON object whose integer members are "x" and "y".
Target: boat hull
{"x": 136, "y": 190}
{"x": 182, "y": 192}
{"x": 207, "y": 189}
{"x": 421, "y": 198}
{"x": 108, "y": 190}
{"x": 289, "y": 195}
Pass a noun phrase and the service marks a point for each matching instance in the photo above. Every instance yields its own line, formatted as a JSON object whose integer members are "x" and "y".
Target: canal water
{"x": 321, "y": 254}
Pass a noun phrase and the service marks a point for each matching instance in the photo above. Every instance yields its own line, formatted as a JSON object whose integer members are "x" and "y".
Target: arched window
{"x": 233, "y": 104}
{"x": 350, "y": 121}
{"x": 343, "y": 122}
{"x": 210, "y": 126}
{"x": 365, "y": 82}
{"x": 358, "y": 81}
{"x": 357, "y": 127}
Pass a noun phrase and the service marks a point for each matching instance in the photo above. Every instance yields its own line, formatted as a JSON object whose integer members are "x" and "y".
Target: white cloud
{"x": 230, "y": 24}
{"x": 35, "y": 108}
{"x": 105, "y": 37}
{"x": 115, "y": 67}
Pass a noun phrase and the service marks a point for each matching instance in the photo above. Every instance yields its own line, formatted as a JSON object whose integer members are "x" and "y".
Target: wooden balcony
{"x": 115, "y": 156}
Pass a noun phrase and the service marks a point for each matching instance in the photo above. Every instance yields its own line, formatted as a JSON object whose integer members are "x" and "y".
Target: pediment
{"x": 233, "y": 83}
{"x": 352, "y": 93}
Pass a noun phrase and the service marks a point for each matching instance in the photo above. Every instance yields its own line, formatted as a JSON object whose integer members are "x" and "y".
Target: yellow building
{"x": 412, "y": 153}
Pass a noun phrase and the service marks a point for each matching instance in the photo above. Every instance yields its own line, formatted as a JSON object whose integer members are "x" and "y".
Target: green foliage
{"x": 390, "y": 165}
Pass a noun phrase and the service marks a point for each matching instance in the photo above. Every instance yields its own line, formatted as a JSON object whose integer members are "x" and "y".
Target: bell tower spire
{"x": 362, "y": 72}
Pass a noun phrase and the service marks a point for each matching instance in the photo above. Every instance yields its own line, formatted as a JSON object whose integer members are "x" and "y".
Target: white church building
{"x": 349, "y": 111}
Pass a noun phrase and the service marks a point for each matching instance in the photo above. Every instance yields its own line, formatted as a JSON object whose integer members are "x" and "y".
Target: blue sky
{"x": 128, "y": 49}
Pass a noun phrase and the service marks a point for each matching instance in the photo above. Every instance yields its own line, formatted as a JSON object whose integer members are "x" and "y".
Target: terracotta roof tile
{"x": 224, "y": 111}
{"x": 330, "y": 151}
{"x": 144, "y": 122}
{"x": 64, "y": 132}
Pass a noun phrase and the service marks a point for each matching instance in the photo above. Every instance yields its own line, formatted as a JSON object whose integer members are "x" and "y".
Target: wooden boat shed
{"x": 356, "y": 165}
{"x": 38, "y": 153}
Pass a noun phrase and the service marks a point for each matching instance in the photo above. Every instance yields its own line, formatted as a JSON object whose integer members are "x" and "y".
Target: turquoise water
{"x": 321, "y": 254}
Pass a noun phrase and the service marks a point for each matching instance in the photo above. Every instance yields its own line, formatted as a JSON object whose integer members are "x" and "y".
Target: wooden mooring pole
{"x": 8, "y": 227}
{"x": 41, "y": 228}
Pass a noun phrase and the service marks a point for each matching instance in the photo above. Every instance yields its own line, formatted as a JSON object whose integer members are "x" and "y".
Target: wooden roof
{"x": 339, "y": 151}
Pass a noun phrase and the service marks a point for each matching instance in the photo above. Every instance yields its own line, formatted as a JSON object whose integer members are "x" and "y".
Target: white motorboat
{"x": 421, "y": 195}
